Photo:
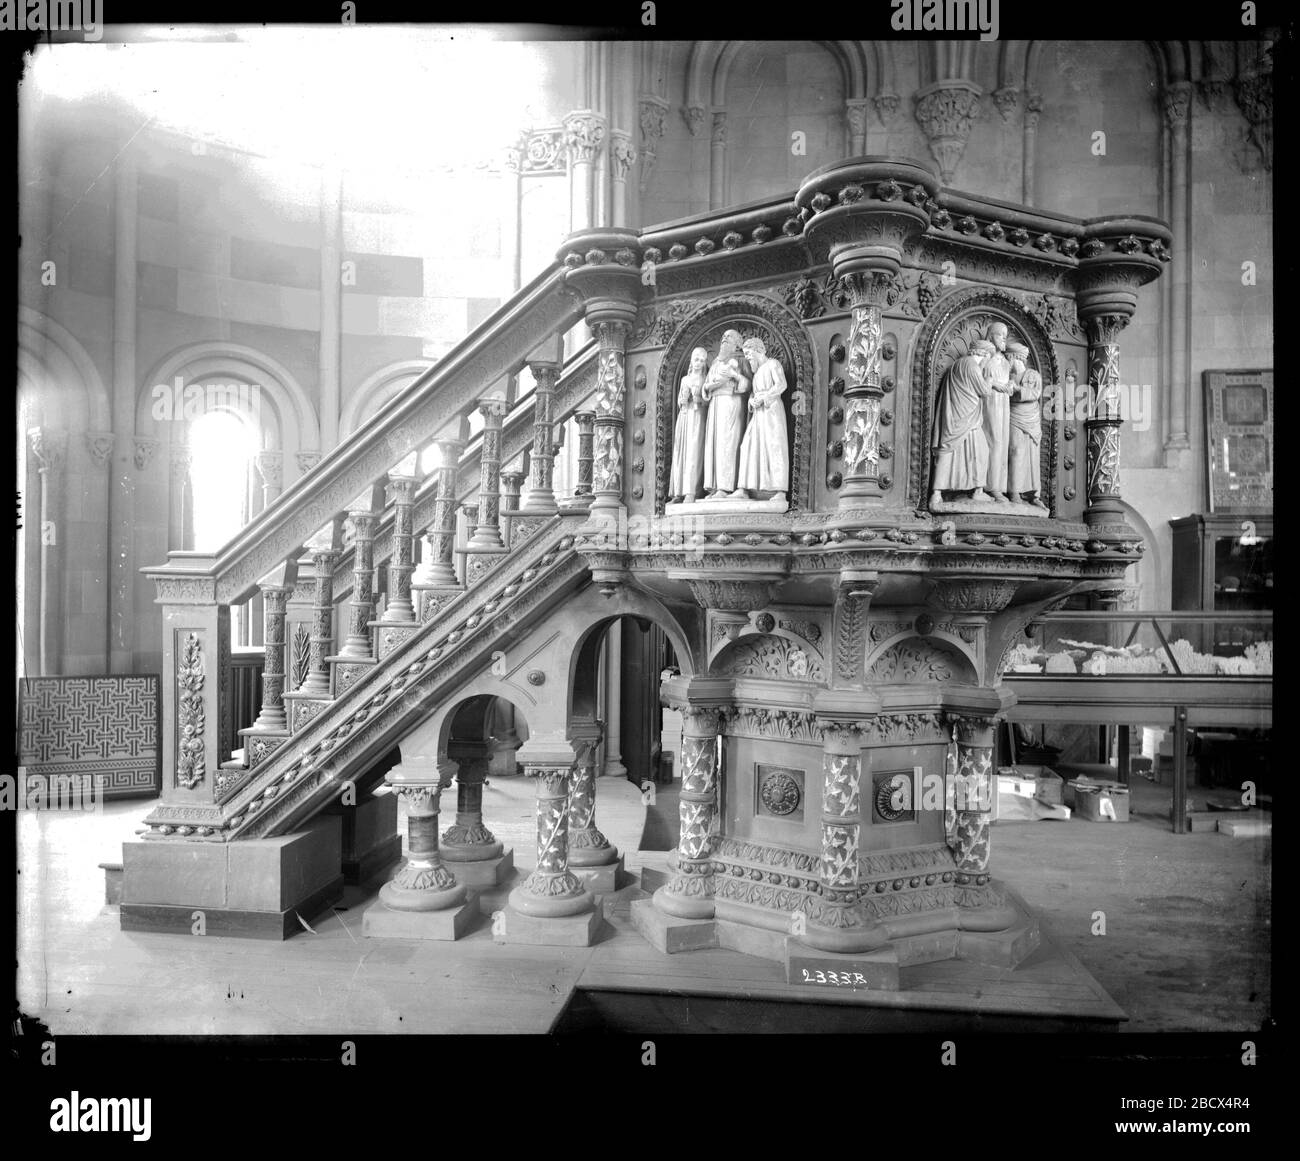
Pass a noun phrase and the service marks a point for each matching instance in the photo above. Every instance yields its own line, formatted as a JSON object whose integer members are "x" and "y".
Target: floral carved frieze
{"x": 974, "y": 594}
{"x": 919, "y": 659}
{"x": 190, "y": 674}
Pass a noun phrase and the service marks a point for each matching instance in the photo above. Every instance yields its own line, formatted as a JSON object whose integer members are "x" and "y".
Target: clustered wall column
{"x": 488, "y": 532}
{"x": 399, "y": 607}
{"x": 50, "y": 449}
{"x": 467, "y": 840}
{"x": 607, "y": 465}
{"x": 317, "y": 683}
{"x": 586, "y": 421}
{"x": 689, "y": 892}
{"x": 1104, "y": 418}
{"x": 838, "y": 921}
{"x": 541, "y": 492}
{"x": 552, "y": 889}
{"x": 361, "y": 607}
{"x": 589, "y": 847}
{"x": 275, "y": 602}
{"x": 863, "y": 390}
{"x": 969, "y": 797}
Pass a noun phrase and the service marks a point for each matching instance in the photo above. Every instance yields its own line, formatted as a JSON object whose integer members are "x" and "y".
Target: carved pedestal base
{"x": 689, "y": 892}
{"x": 726, "y": 505}
{"x": 465, "y": 845}
{"x": 419, "y": 886}
{"x": 564, "y": 931}
{"x": 484, "y": 872}
{"x": 379, "y": 921}
{"x": 599, "y": 880}
{"x": 549, "y": 896}
{"x": 670, "y": 934}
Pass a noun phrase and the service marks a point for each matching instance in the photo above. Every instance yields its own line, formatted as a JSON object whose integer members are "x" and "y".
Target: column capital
{"x": 622, "y": 154}
{"x": 142, "y": 452}
{"x": 270, "y": 467}
{"x": 49, "y": 446}
{"x": 545, "y": 375}
{"x": 1176, "y": 104}
{"x": 99, "y": 446}
{"x": 492, "y": 407}
{"x": 584, "y": 134}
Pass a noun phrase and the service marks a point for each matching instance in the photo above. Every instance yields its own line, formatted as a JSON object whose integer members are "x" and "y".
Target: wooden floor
{"x": 79, "y": 973}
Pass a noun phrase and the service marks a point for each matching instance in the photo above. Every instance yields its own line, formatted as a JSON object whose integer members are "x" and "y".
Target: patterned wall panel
{"x": 103, "y": 726}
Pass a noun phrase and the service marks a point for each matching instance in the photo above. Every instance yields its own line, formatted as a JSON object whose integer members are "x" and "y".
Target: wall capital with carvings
{"x": 584, "y": 135}
{"x": 947, "y": 111}
{"x": 49, "y": 446}
{"x": 99, "y": 446}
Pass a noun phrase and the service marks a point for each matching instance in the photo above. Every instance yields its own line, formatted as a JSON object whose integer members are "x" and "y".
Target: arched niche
{"x": 957, "y": 319}
{"x": 64, "y": 387}
{"x": 767, "y": 656}
{"x": 279, "y": 406}
{"x": 785, "y": 340}
{"x": 377, "y": 389}
{"x": 913, "y": 660}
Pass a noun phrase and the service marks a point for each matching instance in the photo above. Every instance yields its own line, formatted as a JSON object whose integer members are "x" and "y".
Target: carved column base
{"x": 422, "y": 886}
{"x": 689, "y": 892}
{"x": 470, "y": 842}
{"x": 590, "y": 848}
{"x": 839, "y": 922}
{"x": 549, "y": 895}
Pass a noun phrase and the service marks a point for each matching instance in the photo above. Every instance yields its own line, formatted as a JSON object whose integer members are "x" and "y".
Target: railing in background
{"x": 245, "y": 695}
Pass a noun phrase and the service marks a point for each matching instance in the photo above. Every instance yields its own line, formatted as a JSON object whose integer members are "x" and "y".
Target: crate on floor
{"x": 1100, "y": 801}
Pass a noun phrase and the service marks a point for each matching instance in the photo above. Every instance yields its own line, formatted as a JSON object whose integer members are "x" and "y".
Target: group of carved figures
{"x": 988, "y": 424}
{"x": 724, "y": 446}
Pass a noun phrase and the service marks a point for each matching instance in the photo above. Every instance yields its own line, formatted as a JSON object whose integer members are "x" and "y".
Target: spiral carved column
{"x": 552, "y": 890}
{"x": 588, "y": 847}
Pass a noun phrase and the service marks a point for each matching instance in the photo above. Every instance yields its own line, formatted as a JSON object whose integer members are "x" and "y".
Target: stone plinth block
{"x": 667, "y": 933}
{"x": 482, "y": 872}
{"x": 930, "y": 947}
{"x": 371, "y": 843}
{"x": 258, "y": 888}
{"x": 511, "y": 926}
{"x": 600, "y": 880}
{"x": 652, "y": 878}
{"x": 381, "y": 922}
{"x": 838, "y": 971}
{"x": 1000, "y": 948}
{"x": 112, "y": 883}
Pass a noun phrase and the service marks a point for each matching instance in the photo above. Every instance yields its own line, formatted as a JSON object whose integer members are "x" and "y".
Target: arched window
{"x": 222, "y": 446}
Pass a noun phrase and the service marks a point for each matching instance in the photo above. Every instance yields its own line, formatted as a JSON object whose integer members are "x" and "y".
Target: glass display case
{"x": 1146, "y": 644}
{"x": 1223, "y": 563}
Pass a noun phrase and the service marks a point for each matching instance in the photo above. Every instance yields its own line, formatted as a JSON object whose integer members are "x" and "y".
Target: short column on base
{"x": 467, "y": 840}
{"x": 552, "y": 890}
{"x": 689, "y": 891}
{"x": 422, "y": 883}
{"x": 588, "y": 847}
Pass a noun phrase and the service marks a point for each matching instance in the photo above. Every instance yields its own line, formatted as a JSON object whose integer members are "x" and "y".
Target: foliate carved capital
{"x": 972, "y": 729}
{"x": 701, "y": 721}
{"x": 1103, "y": 330}
{"x": 270, "y": 466}
{"x": 545, "y": 375}
{"x": 552, "y": 781}
{"x": 307, "y": 460}
{"x": 740, "y": 595}
{"x": 143, "y": 452}
{"x": 946, "y": 111}
{"x": 842, "y": 735}
{"x": 869, "y": 287}
{"x": 694, "y": 115}
{"x": 886, "y": 105}
{"x": 48, "y": 446}
{"x": 974, "y": 594}
{"x": 652, "y": 113}
{"x": 99, "y": 446}
{"x": 1176, "y": 103}
{"x": 622, "y": 154}
{"x": 584, "y": 133}
{"x": 1006, "y": 99}
{"x": 612, "y": 334}
{"x": 420, "y": 797}
{"x": 181, "y": 460}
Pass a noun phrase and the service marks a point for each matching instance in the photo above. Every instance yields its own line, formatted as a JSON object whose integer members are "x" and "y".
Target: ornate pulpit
{"x": 869, "y": 434}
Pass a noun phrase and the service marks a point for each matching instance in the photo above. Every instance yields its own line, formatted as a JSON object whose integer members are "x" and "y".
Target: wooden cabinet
{"x": 1223, "y": 563}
